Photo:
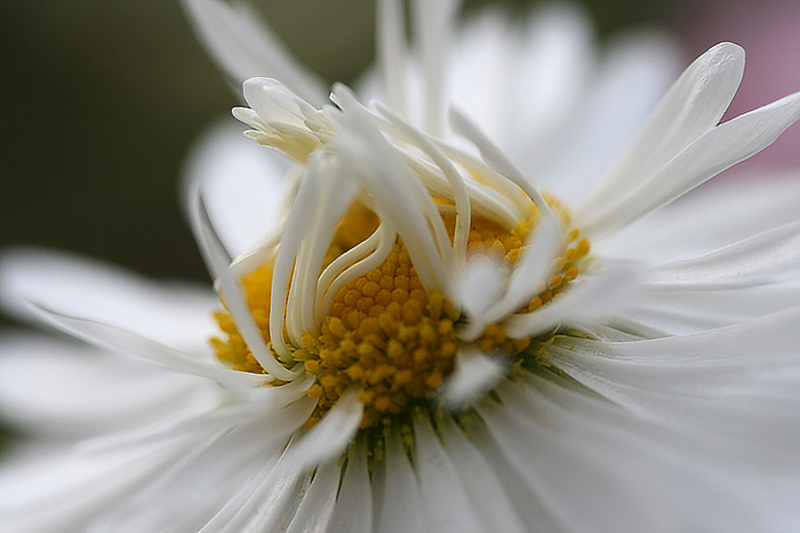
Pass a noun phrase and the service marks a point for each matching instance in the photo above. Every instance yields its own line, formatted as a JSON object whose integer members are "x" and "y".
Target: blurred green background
{"x": 100, "y": 101}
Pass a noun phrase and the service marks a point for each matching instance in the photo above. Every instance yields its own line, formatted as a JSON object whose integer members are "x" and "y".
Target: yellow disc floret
{"x": 384, "y": 333}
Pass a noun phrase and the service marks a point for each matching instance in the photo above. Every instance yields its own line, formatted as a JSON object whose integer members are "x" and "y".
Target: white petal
{"x": 734, "y": 385}
{"x": 391, "y": 52}
{"x": 276, "y": 104}
{"x": 353, "y": 512}
{"x": 398, "y": 193}
{"x": 697, "y": 486}
{"x": 711, "y": 217}
{"x": 480, "y": 65}
{"x": 447, "y": 506}
{"x": 707, "y": 156}
{"x": 550, "y": 67}
{"x": 693, "y": 106}
{"x": 486, "y": 487}
{"x": 246, "y": 183}
{"x": 331, "y": 435}
{"x": 63, "y": 389}
{"x": 633, "y": 74}
{"x": 218, "y": 262}
{"x": 55, "y": 492}
{"x": 481, "y": 287}
{"x": 548, "y": 56}
{"x": 580, "y": 484}
{"x": 179, "y": 314}
{"x": 244, "y": 47}
{"x": 433, "y": 23}
{"x": 763, "y": 341}
{"x": 284, "y": 421}
{"x": 196, "y": 485}
{"x": 682, "y": 311}
{"x": 401, "y": 510}
{"x": 123, "y": 341}
{"x": 317, "y": 507}
{"x": 760, "y": 259}
{"x": 532, "y": 270}
{"x": 594, "y": 300}
{"x": 268, "y": 501}
{"x": 521, "y": 497}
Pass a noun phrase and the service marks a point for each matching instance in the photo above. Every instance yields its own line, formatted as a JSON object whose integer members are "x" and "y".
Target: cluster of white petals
{"x": 672, "y": 405}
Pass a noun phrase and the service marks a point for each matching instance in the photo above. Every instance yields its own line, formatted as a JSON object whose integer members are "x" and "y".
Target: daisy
{"x": 443, "y": 305}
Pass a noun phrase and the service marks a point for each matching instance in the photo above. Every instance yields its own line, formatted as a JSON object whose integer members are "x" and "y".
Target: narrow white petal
{"x": 284, "y": 421}
{"x": 760, "y": 259}
{"x": 527, "y": 506}
{"x": 246, "y": 183}
{"x": 481, "y": 287}
{"x": 634, "y": 72}
{"x": 354, "y": 512}
{"x": 692, "y": 107}
{"x": 682, "y": 311}
{"x": 339, "y": 195}
{"x": 399, "y": 195}
{"x": 268, "y": 500}
{"x": 242, "y": 500}
{"x": 244, "y": 47}
{"x": 52, "y": 388}
{"x": 433, "y": 25}
{"x": 298, "y": 224}
{"x": 733, "y": 388}
{"x": 454, "y": 179}
{"x": 218, "y": 262}
{"x": 384, "y": 237}
{"x": 596, "y": 480}
{"x": 551, "y": 65}
{"x": 391, "y": 51}
{"x": 487, "y": 488}
{"x": 53, "y": 492}
{"x": 401, "y": 510}
{"x": 331, "y": 435}
{"x": 596, "y": 299}
{"x": 480, "y": 66}
{"x": 693, "y": 482}
{"x": 195, "y": 486}
{"x": 130, "y": 343}
{"x": 763, "y": 340}
{"x": 315, "y": 511}
{"x": 701, "y": 222}
{"x": 276, "y": 105}
{"x": 707, "y": 156}
{"x": 335, "y": 193}
{"x": 178, "y": 314}
{"x": 447, "y": 506}
{"x": 497, "y": 160}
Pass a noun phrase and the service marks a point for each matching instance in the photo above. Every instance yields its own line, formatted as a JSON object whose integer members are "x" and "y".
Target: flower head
{"x": 428, "y": 331}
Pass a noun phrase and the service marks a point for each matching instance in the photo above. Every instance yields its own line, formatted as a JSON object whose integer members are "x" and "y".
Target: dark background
{"x": 101, "y": 99}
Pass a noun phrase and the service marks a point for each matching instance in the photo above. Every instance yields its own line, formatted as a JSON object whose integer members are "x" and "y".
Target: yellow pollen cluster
{"x": 566, "y": 268}
{"x": 385, "y": 334}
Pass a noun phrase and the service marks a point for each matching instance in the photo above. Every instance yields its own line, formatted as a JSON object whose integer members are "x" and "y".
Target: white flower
{"x": 415, "y": 338}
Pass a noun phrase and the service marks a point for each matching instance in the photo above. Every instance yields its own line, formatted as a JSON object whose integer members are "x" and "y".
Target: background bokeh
{"x": 100, "y": 101}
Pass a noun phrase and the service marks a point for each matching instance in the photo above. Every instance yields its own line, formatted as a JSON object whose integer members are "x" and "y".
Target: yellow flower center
{"x": 384, "y": 333}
